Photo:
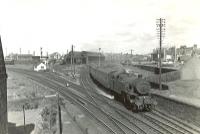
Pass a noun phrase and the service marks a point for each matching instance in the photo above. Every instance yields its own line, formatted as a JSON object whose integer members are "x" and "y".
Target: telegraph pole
{"x": 40, "y": 52}
{"x": 72, "y": 60}
{"x": 160, "y": 29}
{"x": 174, "y": 54}
{"x": 24, "y": 119}
{"x": 71, "y": 57}
{"x": 99, "y": 56}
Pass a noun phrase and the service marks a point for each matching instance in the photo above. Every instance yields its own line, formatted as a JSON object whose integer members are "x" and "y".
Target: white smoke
{"x": 191, "y": 69}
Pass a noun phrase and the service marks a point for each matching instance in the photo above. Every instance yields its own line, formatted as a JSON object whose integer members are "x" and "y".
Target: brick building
{"x": 184, "y": 53}
{"x": 3, "y": 94}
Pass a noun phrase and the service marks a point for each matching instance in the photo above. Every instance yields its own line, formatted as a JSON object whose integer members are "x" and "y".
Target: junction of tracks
{"x": 109, "y": 115}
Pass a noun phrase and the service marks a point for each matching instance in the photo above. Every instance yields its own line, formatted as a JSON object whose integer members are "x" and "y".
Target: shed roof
{"x": 76, "y": 54}
{"x": 92, "y": 54}
{"x": 38, "y": 63}
{"x": 25, "y": 56}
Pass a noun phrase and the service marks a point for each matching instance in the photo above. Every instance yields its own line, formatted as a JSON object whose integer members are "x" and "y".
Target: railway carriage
{"x": 131, "y": 89}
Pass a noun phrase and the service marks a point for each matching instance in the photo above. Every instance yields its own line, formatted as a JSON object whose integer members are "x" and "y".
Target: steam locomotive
{"x": 131, "y": 89}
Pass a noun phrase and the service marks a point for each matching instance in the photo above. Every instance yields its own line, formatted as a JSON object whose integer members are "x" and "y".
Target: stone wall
{"x": 3, "y": 106}
{"x": 3, "y": 94}
{"x": 188, "y": 112}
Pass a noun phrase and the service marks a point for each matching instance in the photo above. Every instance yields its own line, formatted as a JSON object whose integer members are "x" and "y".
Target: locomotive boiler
{"x": 131, "y": 89}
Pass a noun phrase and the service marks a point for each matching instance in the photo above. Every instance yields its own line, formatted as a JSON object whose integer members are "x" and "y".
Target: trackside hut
{"x": 40, "y": 67}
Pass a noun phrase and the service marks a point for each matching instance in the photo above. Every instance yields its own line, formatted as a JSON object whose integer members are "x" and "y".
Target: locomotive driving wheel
{"x": 123, "y": 98}
{"x": 135, "y": 108}
{"x": 150, "y": 107}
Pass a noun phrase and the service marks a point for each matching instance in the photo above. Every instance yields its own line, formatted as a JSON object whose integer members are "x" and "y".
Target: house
{"x": 185, "y": 53}
{"x": 40, "y": 67}
{"x": 55, "y": 55}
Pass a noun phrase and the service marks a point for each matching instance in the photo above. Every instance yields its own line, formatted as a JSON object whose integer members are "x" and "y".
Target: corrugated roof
{"x": 25, "y": 55}
{"x": 85, "y": 54}
{"x": 76, "y": 54}
{"x": 92, "y": 54}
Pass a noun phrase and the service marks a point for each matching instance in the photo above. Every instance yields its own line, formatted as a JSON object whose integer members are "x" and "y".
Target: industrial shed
{"x": 78, "y": 58}
{"x": 92, "y": 57}
{"x": 84, "y": 57}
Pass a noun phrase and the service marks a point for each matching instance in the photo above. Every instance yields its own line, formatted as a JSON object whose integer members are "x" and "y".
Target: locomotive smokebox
{"x": 141, "y": 86}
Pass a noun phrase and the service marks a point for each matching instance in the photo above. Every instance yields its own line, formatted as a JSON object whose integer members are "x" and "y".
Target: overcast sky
{"x": 112, "y": 25}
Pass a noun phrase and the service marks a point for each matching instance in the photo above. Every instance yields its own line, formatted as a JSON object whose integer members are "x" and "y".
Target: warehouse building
{"x": 84, "y": 57}
{"x": 22, "y": 59}
{"x": 3, "y": 94}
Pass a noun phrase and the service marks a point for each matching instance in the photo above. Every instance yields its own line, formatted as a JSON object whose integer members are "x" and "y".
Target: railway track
{"x": 91, "y": 109}
{"x": 160, "y": 122}
{"x": 140, "y": 122}
{"x": 174, "y": 120}
{"x": 125, "y": 118}
{"x": 116, "y": 121}
{"x": 170, "y": 125}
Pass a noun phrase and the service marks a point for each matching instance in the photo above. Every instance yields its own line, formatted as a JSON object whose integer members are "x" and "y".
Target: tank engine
{"x": 131, "y": 89}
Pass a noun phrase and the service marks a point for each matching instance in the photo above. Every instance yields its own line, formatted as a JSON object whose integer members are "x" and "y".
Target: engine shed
{"x": 84, "y": 57}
